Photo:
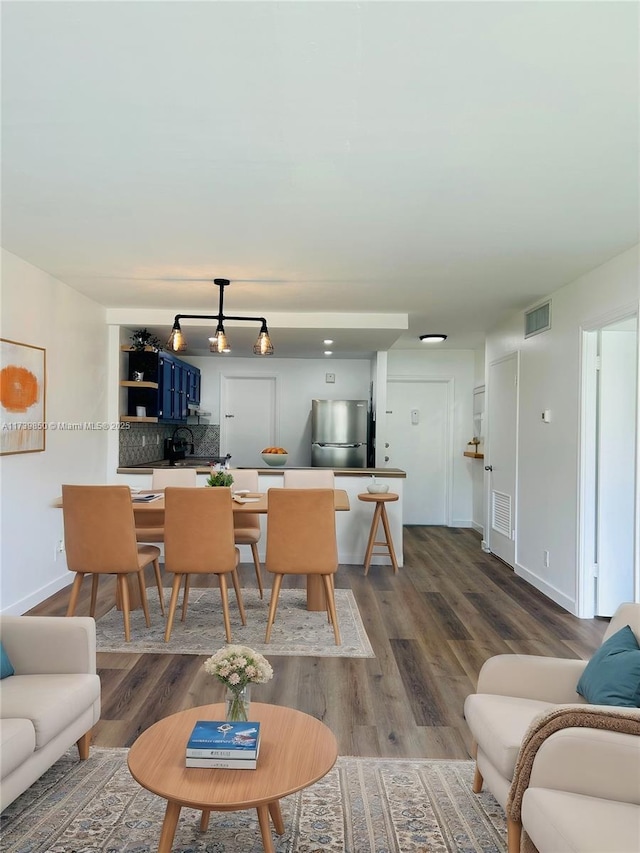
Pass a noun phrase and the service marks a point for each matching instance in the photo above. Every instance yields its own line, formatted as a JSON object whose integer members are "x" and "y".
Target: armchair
{"x": 578, "y": 787}
{"x": 512, "y": 691}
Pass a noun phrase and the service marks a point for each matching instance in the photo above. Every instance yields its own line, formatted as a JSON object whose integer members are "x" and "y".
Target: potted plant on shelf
{"x": 219, "y": 478}
{"x": 142, "y": 338}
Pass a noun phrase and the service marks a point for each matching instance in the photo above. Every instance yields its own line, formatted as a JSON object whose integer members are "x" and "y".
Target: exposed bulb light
{"x": 327, "y": 343}
{"x": 176, "y": 342}
{"x": 328, "y": 352}
{"x": 219, "y": 343}
{"x": 263, "y": 345}
{"x": 433, "y": 339}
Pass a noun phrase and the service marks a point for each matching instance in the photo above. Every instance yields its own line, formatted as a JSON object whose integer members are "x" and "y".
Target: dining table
{"x": 252, "y": 502}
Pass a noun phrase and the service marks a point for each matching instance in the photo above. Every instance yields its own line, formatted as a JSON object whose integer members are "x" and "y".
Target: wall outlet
{"x": 58, "y": 549}
{"x": 329, "y": 377}
{"x": 545, "y": 555}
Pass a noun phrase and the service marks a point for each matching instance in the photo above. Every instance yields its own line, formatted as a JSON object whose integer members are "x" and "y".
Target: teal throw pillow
{"x": 6, "y": 667}
{"x": 612, "y": 676}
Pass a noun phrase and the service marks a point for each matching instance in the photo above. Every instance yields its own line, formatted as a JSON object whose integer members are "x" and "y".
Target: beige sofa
{"x": 512, "y": 692}
{"x": 581, "y": 792}
{"x": 51, "y": 702}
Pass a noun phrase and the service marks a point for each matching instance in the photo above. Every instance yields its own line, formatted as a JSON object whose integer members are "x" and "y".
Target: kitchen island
{"x": 352, "y": 528}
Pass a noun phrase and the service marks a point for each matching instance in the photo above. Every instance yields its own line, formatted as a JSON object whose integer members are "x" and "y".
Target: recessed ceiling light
{"x": 328, "y": 352}
{"x": 327, "y": 342}
{"x": 433, "y": 339}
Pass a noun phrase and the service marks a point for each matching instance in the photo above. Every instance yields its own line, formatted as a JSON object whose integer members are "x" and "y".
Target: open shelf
{"x": 473, "y": 455}
{"x": 132, "y": 418}
{"x": 130, "y": 383}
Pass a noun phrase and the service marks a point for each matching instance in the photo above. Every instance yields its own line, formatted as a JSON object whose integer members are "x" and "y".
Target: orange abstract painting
{"x": 22, "y": 398}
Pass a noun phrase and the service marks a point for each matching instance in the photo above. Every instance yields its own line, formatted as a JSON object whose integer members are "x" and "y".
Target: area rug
{"x": 296, "y": 631}
{"x": 364, "y": 805}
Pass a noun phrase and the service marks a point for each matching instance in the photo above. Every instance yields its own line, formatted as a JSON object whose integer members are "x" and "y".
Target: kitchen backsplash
{"x": 144, "y": 442}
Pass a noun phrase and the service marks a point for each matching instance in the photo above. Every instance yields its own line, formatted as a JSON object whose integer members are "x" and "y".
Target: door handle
{"x": 229, "y": 416}
{"x": 488, "y": 467}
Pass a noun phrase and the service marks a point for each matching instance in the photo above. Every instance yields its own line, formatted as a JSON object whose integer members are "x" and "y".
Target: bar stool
{"x": 380, "y": 514}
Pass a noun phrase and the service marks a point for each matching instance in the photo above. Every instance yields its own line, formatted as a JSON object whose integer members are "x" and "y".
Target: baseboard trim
{"x": 40, "y": 595}
{"x": 548, "y": 589}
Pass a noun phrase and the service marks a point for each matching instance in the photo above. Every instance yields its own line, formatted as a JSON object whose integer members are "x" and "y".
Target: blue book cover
{"x": 229, "y": 740}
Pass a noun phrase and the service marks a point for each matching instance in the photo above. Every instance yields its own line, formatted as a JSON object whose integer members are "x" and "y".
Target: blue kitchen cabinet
{"x": 168, "y": 386}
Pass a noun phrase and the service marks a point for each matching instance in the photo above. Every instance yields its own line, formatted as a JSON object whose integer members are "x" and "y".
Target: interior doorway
{"x": 501, "y": 455}
{"x": 608, "y": 468}
{"x": 248, "y": 418}
{"x": 419, "y": 424}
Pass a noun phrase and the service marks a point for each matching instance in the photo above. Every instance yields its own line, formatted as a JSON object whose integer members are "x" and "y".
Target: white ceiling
{"x": 448, "y": 161}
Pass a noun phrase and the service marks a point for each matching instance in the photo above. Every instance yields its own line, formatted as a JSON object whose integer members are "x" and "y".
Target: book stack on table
{"x": 221, "y": 744}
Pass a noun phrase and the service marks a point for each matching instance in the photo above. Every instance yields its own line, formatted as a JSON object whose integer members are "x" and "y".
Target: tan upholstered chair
{"x": 513, "y": 690}
{"x": 198, "y": 539}
{"x": 150, "y": 526}
{"x": 301, "y": 540}
{"x": 153, "y": 528}
{"x": 318, "y": 478}
{"x": 100, "y": 539}
{"x": 246, "y": 526}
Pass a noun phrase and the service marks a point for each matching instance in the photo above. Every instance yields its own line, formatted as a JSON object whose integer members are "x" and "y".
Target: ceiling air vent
{"x": 537, "y": 320}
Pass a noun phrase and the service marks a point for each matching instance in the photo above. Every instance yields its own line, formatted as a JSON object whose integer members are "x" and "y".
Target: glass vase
{"x": 238, "y": 701}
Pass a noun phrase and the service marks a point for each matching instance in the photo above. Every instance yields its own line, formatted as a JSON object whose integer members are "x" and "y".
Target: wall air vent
{"x": 537, "y": 320}
{"x": 501, "y": 513}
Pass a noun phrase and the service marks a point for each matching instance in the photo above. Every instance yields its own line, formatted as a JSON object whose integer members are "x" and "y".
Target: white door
{"x": 248, "y": 418}
{"x": 418, "y": 428}
{"x": 500, "y": 457}
{"x": 615, "y": 448}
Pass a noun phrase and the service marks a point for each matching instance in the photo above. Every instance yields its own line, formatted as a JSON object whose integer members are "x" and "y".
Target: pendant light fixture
{"x": 219, "y": 343}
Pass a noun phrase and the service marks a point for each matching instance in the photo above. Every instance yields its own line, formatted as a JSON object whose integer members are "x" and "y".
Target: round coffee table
{"x": 295, "y": 751}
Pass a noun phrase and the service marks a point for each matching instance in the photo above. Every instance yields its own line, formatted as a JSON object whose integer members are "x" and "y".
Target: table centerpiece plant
{"x": 219, "y": 478}
{"x": 238, "y": 667}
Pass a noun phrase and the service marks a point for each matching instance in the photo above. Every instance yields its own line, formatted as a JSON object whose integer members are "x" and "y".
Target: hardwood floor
{"x": 431, "y": 626}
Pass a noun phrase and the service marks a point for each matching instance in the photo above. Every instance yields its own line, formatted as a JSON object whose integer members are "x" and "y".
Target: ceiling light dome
{"x": 432, "y": 339}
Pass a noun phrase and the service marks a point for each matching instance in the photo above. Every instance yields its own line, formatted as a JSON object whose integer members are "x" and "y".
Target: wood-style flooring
{"x": 431, "y": 626}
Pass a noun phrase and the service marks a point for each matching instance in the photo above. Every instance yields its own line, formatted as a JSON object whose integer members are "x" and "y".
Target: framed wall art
{"x": 22, "y": 397}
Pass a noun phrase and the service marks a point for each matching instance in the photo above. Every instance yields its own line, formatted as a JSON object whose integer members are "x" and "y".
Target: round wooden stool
{"x": 380, "y": 514}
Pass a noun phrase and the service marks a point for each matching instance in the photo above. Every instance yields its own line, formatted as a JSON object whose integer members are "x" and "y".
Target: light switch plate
{"x": 329, "y": 377}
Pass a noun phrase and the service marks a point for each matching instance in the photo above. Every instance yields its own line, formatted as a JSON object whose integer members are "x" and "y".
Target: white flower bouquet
{"x": 238, "y": 667}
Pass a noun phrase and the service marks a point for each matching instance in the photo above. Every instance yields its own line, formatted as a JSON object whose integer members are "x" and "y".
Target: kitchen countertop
{"x": 204, "y": 468}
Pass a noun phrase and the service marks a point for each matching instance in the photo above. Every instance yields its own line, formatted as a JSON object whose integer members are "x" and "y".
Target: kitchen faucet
{"x": 176, "y": 447}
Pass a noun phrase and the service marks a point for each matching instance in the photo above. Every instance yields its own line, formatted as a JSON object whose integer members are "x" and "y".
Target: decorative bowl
{"x": 275, "y": 459}
{"x": 377, "y": 488}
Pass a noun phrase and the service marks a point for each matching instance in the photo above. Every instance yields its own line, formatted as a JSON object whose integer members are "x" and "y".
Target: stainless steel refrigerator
{"x": 339, "y": 433}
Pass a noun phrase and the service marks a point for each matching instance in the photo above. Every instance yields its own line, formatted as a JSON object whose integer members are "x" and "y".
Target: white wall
{"x": 300, "y": 380}
{"x": 457, "y": 365}
{"x": 548, "y": 463}
{"x": 40, "y": 310}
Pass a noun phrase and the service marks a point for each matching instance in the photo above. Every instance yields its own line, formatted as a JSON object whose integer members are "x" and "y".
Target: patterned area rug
{"x": 364, "y": 805}
{"x": 296, "y": 631}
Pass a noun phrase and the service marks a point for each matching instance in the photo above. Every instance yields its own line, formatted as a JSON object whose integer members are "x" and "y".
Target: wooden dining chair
{"x": 301, "y": 540}
{"x": 150, "y": 526}
{"x": 318, "y": 478}
{"x": 198, "y": 539}
{"x": 100, "y": 539}
{"x": 246, "y": 526}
